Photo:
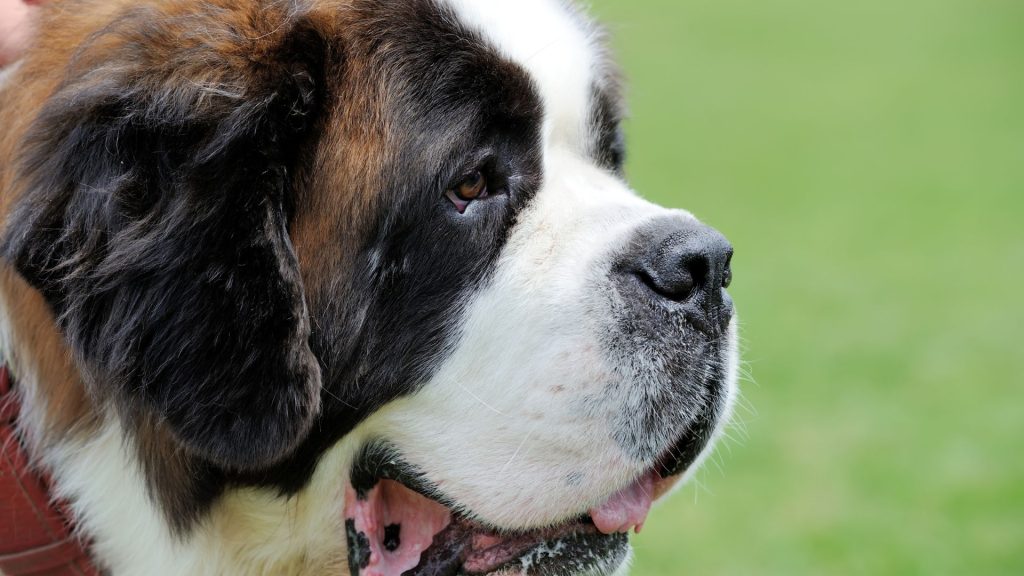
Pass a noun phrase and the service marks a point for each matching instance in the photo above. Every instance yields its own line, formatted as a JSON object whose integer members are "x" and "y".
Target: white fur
{"x": 7, "y": 72}
{"x": 249, "y": 532}
{"x": 557, "y": 47}
{"x": 5, "y": 329}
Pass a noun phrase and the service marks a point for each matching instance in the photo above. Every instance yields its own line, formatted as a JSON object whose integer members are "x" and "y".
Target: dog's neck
{"x": 38, "y": 534}
{"x": 44, "y": 535}
{"x": 94, "y": 468}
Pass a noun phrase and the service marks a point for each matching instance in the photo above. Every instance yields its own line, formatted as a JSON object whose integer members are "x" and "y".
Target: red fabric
{"x": 35, "y": 534}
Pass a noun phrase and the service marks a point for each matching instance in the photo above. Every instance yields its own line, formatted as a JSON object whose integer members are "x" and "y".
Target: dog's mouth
{"x": 398, "y": 524}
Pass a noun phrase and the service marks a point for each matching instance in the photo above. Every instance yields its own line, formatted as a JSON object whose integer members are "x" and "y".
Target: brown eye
{"x": 472, "y": 187}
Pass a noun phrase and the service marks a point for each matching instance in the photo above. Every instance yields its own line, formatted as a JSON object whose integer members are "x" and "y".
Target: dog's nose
{"x": 684, "y": 263}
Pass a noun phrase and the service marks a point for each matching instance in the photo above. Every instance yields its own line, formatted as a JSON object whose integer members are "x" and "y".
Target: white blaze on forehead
{"x": 554, "y": 44}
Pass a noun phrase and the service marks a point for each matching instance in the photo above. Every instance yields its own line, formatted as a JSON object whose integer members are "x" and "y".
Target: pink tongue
{"x": 627, "y": 507}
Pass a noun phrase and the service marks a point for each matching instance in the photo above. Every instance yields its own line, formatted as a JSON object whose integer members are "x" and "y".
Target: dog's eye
{"x": 472, "y": 187}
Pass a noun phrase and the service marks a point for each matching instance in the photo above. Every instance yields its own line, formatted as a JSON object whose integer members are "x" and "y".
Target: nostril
{"x": 685, "y": 266}
{"x": 678, "y": 288}
{"x": 698, "y": 268}
{"x": 678, "y": 275}
{"x": 727, "y": 272}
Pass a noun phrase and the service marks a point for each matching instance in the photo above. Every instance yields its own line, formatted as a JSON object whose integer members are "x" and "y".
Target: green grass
{"x": 866, "y": 158}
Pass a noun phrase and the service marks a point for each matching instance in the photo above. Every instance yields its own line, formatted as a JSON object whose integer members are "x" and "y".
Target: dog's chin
{"x": 399, "y": 523}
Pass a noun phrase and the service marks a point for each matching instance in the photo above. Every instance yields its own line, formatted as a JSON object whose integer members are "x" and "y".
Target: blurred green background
{"x": 866, "y": 158}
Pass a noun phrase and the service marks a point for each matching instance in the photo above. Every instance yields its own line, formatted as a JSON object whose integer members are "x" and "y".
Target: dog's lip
{"x": 688, "y": 446}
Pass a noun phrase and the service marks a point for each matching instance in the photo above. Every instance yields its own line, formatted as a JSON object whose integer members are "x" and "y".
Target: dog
{"x": 347, "y": 287}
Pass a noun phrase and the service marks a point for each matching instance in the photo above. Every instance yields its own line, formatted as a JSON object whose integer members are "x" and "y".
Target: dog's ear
{"x": 155, "y": 222}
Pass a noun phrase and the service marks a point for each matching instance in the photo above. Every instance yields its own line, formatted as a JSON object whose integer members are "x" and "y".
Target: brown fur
{"x": 339, "y": 180}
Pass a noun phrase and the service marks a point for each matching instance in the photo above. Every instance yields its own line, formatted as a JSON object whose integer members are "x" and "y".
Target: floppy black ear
{"x": 155, "y": 223}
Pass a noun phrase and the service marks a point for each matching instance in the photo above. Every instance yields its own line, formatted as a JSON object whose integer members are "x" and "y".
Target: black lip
{"x": 581, "y": 553}
{"x": 688, "y": 447}
{"x": 380, "y": 461}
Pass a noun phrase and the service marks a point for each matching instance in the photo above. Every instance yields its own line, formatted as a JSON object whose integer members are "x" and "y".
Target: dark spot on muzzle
{"x": 358, "y": 548}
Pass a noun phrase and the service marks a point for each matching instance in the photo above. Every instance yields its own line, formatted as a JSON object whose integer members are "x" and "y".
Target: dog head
{"x": 395, "y": 229}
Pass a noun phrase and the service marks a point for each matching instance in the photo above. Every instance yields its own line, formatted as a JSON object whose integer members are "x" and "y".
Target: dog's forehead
{"x": 555, "y": 44}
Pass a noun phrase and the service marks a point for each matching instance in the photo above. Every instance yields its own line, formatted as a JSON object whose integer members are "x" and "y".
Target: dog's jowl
{"x": 357, "y": 286}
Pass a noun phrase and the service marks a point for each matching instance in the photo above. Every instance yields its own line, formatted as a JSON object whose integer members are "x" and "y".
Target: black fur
{"x": 390, "y": 323}
{"x": 606, "y": 122}
{"x": 154, "y": 223}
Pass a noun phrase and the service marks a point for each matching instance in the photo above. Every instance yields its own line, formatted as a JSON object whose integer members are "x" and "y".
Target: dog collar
{"x": 36, "y": 533}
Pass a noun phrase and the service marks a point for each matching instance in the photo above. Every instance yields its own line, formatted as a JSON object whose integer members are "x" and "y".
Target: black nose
{"x": 684, "y": 263}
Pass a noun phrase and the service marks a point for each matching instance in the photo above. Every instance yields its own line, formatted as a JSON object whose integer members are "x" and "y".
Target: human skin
{"x": 15, "y": 28}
